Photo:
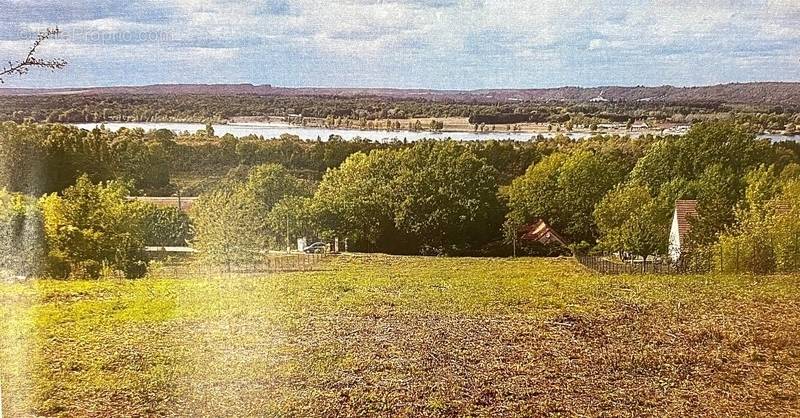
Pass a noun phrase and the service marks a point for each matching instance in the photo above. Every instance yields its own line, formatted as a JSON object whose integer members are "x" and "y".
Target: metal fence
{"x": 732, "y": 259}
{"x": 606, "y": 265}
{"x": 273, "y": 263}
{"x": 756, "y": 257}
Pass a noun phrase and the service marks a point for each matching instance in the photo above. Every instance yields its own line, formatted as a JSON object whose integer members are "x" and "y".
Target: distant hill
{"x": 769, "y": 93}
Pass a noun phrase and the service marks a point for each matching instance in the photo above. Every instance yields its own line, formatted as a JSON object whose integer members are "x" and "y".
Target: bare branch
{"x": 31, "y": 61}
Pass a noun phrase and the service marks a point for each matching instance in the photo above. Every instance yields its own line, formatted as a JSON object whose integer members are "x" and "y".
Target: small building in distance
{"x": 542, "y": 233}
{"x": 685, "y": 210}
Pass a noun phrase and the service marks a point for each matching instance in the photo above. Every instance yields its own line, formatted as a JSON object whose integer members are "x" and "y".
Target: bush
{"x": 22, "y": 243}
{"x": 767, "y": 238}
{"x": 786, "y": 241}
{"x": 230, "y": 230}
{"x": 750, "y": 251}
{"x": 92, "y": 227}
{"x": 164, "y": 226}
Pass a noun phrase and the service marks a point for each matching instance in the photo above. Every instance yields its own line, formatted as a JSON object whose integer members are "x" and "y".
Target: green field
{"x": 404, "y": 336}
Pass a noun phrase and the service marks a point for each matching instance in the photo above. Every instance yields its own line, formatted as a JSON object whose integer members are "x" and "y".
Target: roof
{"x": 542, "y": 232}
{"x": 185, "y": 202}
{"x": 685, "y": 210}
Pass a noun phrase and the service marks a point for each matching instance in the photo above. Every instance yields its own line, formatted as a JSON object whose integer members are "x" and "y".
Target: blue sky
{"x": 446, "y": 44}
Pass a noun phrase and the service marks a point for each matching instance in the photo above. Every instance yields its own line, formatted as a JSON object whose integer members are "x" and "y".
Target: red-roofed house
{"x": 685, "y": 210}
{"x": 542, "y": 233}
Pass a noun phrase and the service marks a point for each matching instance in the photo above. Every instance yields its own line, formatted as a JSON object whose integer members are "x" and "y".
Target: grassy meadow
{"x": 404, "y": 336}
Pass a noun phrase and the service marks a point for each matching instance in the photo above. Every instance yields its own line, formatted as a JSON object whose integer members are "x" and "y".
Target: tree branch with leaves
{"x": 18, "y": 68}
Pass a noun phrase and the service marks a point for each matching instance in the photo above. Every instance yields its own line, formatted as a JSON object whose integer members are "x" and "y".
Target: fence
{"x": 272, "y": 263}
{"x": 606, "y": 266}
{"x": 759, "y": 256}
{"x": 731, "y": 259}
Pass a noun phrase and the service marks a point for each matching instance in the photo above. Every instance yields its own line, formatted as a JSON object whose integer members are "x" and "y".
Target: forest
{"x": 107, "y": 107}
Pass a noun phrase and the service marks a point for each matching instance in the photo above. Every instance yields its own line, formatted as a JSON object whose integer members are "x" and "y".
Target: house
{"x": 641, "y": 126}
{"x": 685, "y": 210}
{"x": 182, "y": 203}
{"x": 542, "y": 233}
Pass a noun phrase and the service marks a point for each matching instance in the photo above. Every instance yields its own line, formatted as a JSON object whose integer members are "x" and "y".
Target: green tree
{"x": 630, "y": 219}
{"x": 719, "y": 190}
{"x": 354, "y": 201}
{"x": 269, "y": 183}
{"x": 92, "y": 226}
{"x": 446, "y": 197}
{"x": 232, "y": 221}
{"x": 230, "y": 228}
{"x": 709, "y": 143}
{"x": 291, "y": 218}
{"x": 165, "y": 226}
{"x": 785, "y": 224}
{"x": 563, "y": 189}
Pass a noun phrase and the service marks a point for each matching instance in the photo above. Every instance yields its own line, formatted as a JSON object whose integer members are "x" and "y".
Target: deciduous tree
{"x": 90, "y": 227}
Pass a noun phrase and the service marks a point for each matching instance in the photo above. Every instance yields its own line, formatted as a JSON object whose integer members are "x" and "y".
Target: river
{"x": 274, "y": 130}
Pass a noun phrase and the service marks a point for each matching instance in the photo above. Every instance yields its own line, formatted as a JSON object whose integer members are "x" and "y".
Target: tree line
{"x": 107, "y": 107}
{"x": 46, "y": 158}
{"x": 606, "y": 193}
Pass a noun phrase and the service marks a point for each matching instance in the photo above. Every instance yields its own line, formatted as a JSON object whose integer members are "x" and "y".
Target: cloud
{"x": 417, "y": 43}
{"x": 62, "y": 12}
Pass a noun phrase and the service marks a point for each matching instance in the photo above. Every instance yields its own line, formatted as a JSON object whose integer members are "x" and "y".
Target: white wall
{"x": 674, "y": 238}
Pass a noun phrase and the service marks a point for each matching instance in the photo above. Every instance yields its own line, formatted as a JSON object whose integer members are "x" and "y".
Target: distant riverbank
{"x": 276, "y": 129}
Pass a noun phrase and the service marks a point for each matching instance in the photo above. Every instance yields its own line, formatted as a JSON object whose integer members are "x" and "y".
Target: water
{"x": 780, "y": 138}
{"x": 276, "y": 129}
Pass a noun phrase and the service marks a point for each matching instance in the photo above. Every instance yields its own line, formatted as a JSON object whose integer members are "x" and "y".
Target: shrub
{"x": 91, "y": 227}
{"x": 230, "y": 230}
{"x": 22, "y": 244}
{"x": 164, "y": 226}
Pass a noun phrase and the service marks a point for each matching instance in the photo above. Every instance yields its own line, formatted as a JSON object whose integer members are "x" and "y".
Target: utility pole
{"x": 514, "y": 244}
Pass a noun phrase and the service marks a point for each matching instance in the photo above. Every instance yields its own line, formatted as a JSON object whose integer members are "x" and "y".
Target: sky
{"x": 441, "y": 44}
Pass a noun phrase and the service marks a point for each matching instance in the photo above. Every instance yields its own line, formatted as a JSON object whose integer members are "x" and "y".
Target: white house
{"x": 684, "y": 211}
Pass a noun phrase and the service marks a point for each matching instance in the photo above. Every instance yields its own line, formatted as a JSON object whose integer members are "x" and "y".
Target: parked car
{"x": 317, "y": 247}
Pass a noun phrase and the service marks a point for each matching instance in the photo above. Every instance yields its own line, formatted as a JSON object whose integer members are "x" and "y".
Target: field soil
{"x": 404, "y": 336}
